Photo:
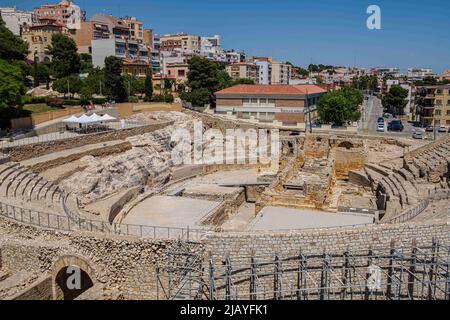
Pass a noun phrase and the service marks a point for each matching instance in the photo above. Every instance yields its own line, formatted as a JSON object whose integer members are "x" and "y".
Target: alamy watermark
{"x": 236, "y": 146}
{"x": 373, "y": 22}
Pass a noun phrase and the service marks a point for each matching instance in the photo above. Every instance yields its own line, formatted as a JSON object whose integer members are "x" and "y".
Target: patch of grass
{"x": 43, "y": 107}
{"x": 38, "y": 107}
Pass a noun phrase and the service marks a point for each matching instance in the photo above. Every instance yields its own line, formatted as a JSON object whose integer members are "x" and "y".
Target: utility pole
{"x": 309, "y": 112}
{"x": 100, "y": 87}
{"x": 68, "y": 87}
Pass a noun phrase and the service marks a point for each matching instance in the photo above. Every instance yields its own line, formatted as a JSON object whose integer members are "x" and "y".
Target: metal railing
{"x": 72, "y": 222}
{"x": 60, "y": 132}
{"x": 413, "y": 212}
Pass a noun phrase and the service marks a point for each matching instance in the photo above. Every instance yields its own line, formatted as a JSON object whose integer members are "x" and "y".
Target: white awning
{"x": 72, "y": 119}
{"x": 107, "y": 117}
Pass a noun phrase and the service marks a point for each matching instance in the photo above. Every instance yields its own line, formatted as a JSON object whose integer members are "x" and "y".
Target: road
{"x": 372, "y": 110}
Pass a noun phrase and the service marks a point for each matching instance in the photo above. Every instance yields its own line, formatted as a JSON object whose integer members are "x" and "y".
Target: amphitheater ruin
{"x": 342, "y": 216}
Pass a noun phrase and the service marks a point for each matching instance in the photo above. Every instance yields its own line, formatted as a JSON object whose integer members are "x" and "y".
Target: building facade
{"x": 89, "y": 31}
{"x": 433, "y": 105}
{"x": 281, "y": 104}
{"x": 264, "y": 71}
{"x": 415, "y": 74}
{"x": 136, "y": 29}
{"x": 281, "y": 73}
{"x": 65, "y": 13}
{"x": 39, "y": 38}
{"x": 16, "y": 20}
{"x": 182, "y": 41}
{"x": 243, "y": 70}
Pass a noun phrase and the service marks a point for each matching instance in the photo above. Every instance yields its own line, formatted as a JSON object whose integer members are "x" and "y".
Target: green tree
{"x": 85, "y": 63}
{"x": 394, "y": 101}
{"x": 243, "y": 81}
{"x": 148, "y": 87}
{"x": 12, "y": 47}
{"x": 339, "y": 106}
{"x": 204, "y": 78}
{"x": 65, "y": 58}
{"x": 11, "y": 85}
{"x": 114, "y": 86}
{"x": 68, "y": 85}
{"x": 41, "y": 74}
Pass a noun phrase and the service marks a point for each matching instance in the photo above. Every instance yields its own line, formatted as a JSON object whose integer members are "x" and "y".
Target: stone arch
{"x": 346, "y": 145}
{"x": 61, "y": 273}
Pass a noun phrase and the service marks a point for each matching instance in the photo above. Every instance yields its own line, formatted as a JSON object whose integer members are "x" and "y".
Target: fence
{"x": 418, "y": 209}
{"x": 72, "y": 222}
{"x": 59, "y": 131}
{"x": 390, "y": 273}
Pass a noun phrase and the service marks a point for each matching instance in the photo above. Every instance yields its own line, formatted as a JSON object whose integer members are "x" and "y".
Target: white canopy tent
{"x": 72, "y": 119}
{"x": 85, "y": 119}
{"x": 107, "y": 117}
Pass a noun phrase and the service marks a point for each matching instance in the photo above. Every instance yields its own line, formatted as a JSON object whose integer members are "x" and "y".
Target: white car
{"x": 417, "y": 134}
{"x": 380, "y": 127}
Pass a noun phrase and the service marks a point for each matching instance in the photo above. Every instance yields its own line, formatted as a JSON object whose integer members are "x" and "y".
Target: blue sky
{"x": 413, "y": 33}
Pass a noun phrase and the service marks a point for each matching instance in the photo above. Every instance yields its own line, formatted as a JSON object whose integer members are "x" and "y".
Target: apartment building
{"x": 383, "y": 71}
{"x": 177, "y": 71}
{"x": 135, "y": 56}
{"x": 118, "y": 28}
{"x": 16, "y": 20}
{"x": 415, "y": 74}
{"x": 182, "y": 41}
{"x": 65, "y": 13}
{"x": 281, "y": 73}
{"x": 148, "y": 37}
{"x": 210, "y": 48}
{"x": 264, "y": 70}
{"x": 433, "y": 105}
{"x": 136, "y": 28}
{"x": 39, "y": 38}
{"x": 279, "y": 104}
{"x": 89, "y": 31}
{"x": 243, "y": 70}
{"x": 445, "y": 75}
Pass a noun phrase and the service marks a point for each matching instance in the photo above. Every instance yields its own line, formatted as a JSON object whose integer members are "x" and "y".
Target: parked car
{"x": 380, "y": 127}
{"x": 442, "y": 129}
{"x": 380, "y": 120}
{"x": 395, "y": 125}
{"x": 387, "y": 115}
{"x": 429, "y": 129}
{"x": 417, "y": 134}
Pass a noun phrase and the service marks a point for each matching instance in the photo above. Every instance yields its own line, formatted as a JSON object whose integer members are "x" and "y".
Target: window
{"x": 271, "y": 101}
{"x": 438, "y": 91}
{"x": 438, "y": 102}
{"x": 253, "y": 100}
{"x": 448, "y": 112}
{"x": 448, "y": 102}
{"x": 437, "y": 112}
{"x": 263, "y": 100}
{"x": 246, "y": 100}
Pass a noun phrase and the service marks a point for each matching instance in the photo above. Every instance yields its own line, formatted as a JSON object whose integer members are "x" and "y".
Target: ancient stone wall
{"x": 346, "y": 160}
{"x": 123, "y": 263}
{"x": 21, "y": 153}
{"x": 331, "y": 240}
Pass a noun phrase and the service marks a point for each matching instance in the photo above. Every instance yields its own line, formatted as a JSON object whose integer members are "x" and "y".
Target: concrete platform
{"x": 280, "y": 218}
{"x": 170, "y": 212}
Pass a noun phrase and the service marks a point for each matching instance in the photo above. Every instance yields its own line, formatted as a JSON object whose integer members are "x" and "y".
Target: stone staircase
{"x": 422, "y": 174}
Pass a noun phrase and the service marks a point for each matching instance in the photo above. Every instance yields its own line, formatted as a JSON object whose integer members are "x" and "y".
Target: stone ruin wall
{"x": 124, "y": 267}
{"x": 347, "y": 160}
{"x": 119, "y": 264}
{"x": 35, "y": 150}
{"x": 331, "y": 240}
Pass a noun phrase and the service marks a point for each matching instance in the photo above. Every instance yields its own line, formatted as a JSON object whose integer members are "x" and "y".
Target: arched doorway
{"x": 346, "y": 145}
{"x": 72, "y": 276}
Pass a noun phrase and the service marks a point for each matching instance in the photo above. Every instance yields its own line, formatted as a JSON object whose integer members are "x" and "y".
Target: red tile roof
{"x": 273, "y": 89}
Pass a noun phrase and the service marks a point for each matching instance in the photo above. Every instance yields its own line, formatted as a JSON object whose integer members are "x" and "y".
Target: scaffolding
{"x": 392, "y": 273}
